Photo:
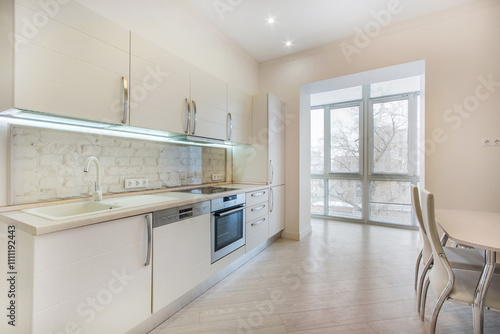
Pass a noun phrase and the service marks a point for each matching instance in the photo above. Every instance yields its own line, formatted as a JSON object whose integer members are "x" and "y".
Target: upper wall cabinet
{"x": 160, "y": 88}
{"x": 239, "y": 116}
{"x": 208, "y": 105}
{"x": 68, "y": 61}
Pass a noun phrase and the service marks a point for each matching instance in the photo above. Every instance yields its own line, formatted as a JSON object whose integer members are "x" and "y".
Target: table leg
{"x": 482, "y": 289}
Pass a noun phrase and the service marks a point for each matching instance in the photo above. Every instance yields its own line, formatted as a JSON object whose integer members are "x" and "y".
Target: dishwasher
{"x": 181, "y": 251}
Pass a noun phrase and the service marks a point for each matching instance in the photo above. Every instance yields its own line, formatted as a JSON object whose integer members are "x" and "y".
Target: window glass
{"x": 390, "y": 137}
{"x": 390, "y": 201}
{"x": 393, "y": 87}
{"x": 344, "y": 140}
{"x": 317, "y": 141}
{"x": 336, "y": 96}
{"x": 345, "y": 198}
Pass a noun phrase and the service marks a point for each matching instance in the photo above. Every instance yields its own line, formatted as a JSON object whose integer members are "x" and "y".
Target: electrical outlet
{"x": 136, "y": 183}
{"x": 217, "y": 177}
{"x": 490, "y": 142}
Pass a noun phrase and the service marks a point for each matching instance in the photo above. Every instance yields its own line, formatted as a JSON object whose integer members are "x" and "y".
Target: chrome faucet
{"x": 97, "y": 194}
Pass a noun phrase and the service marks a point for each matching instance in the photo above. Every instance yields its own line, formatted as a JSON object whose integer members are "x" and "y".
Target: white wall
{"x": 461, "y": 50}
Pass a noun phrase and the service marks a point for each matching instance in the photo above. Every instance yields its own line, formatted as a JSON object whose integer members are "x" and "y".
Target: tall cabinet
{"x": 264, "y": 160}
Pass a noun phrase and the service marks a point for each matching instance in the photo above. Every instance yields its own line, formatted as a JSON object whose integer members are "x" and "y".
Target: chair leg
{"x": 417, "y": 266}
{"x": 427, "y": 266}
{"x": 424, "y": 298}
{"x": 437, "y": 308}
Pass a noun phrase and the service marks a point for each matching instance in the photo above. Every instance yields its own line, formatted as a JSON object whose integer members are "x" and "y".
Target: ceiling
{"x": 306, "y": 23}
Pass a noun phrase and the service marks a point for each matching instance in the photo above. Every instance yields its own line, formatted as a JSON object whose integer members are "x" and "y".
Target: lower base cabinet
{"x": 276, "y": 209}
{"x": 92, "y": 279}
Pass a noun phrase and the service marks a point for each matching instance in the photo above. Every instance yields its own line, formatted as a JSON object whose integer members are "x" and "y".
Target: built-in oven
{"x": 227, "y": 225}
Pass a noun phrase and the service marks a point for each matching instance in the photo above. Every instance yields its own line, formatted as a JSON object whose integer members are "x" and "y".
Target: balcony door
{"x": 363, "y": 143}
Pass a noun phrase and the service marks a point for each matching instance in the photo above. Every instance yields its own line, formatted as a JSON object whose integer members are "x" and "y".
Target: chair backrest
{"x": 415, "y": 201}
{"x": 441, "y": 274}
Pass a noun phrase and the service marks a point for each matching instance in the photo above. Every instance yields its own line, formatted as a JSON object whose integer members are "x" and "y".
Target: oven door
{"x": 228, "y": 231}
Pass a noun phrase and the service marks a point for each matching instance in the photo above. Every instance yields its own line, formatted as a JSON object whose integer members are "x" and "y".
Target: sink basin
{"x": 65, "y": 211}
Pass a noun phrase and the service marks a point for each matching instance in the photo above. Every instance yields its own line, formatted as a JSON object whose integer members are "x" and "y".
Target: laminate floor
{"x": 342, "y": 278}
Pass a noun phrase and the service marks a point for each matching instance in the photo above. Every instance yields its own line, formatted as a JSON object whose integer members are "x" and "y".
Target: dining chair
{"x": 459, "y": 258}
{"x": 448, "y": 283}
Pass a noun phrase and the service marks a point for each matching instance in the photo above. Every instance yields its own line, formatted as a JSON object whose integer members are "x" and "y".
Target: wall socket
{"x": 136, "y": 183}
{"x": 217, "y": 177}
{"x": 490, "y": 142}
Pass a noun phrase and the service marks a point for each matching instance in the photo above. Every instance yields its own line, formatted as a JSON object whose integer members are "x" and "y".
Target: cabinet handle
{"x": 272, "y": 200}
{"x": 229, "y": 126}
{"x": 187, "y": 112}
{"x": 125, "y": 101}
{"x": 262, "y": 193}
{"x": 259, "y": 222}
{"x": 195, "y": 117}
{"x": 148, "y": 255}
{"x": 271, "y": 166}
{"x": 258, "y": 208}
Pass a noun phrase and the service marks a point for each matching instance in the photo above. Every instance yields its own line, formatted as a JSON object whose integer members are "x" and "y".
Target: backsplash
{"x": 48, "y": 164}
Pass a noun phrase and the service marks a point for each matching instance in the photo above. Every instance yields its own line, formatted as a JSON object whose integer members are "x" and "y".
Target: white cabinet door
{"x": 276, "y": 209}
{"x": 69, "y": 61}
{"x": 94, "y": 278}
{"x": 159, "y": 89}
{"x": 181, "y": 258}
{"x": 276, "y": 110}
{"x": 239, "y": 117}
{"x": 264, "y": 160}
{"x": 208, "y": 105}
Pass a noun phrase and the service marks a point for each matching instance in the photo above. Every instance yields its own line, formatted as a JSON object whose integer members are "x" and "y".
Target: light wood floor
{"x": 342, "y": 278}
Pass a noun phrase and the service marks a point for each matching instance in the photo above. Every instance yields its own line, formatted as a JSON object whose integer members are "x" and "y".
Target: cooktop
{"x": 206, "y": 190}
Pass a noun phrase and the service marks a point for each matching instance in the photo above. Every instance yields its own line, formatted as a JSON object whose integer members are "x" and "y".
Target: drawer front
{"x": 257, "y": 211}
{"x": 256, "y": 197}
{"x": 256, "y": 232}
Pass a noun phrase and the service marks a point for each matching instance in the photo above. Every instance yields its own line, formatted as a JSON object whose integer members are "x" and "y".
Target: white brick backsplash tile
{"x": 24, "y": 164}
{"x": 48, "y": 164}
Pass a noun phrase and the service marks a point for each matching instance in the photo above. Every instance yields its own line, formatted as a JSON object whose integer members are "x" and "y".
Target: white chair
{"x": 448, "y": 283}
{"x": 469, "y": 259}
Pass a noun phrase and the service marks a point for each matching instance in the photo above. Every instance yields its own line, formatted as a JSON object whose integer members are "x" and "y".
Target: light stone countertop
{"x": 36, "y": 225}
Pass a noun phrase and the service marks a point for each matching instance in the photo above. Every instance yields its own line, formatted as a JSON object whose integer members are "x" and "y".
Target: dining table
{"x": 478, "y": 229}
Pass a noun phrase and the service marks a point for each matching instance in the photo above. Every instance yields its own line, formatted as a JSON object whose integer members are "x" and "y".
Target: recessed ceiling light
{"x": 271, "y": 20}
{"x": 288, "y": 43}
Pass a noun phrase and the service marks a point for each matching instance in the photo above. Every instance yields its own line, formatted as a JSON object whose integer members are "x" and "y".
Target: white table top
{"x": 472, "y": 228}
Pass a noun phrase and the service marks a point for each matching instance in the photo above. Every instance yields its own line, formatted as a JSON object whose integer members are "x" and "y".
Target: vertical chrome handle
{"x": 187, "y": 113}
{"x": 149, "y": 228}
{"x": 272, "y": 200}
{"x": 195, "y": 117}
{"x": 271, "y": 166}
{"x": 125, "y": 101}
{"x": 229, "y": 126}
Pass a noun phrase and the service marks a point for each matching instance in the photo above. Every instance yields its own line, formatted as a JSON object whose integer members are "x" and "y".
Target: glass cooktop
{"x": 206, "y": 190}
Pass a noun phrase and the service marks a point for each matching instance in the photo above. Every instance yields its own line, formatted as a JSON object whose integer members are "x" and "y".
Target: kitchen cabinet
{"x": 264, "y": 160}
{"x": 257, "y": 218}
{"x": 66, "y": 60}
{"x": 160, "y": 87}
{"x": 96, "y": 279}
{"x": 208, "y": 105}
{"x": 181, "y": 259}
{"x": 276, "y": 209}
{"x": 239, "y": 117}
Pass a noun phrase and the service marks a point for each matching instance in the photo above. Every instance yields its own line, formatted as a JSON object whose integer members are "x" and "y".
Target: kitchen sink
{"x": 64, "y": 211}
{"x": 74, "y": 210}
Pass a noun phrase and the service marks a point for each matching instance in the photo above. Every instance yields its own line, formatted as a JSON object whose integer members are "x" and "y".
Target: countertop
{"x": 36, "y": 225}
